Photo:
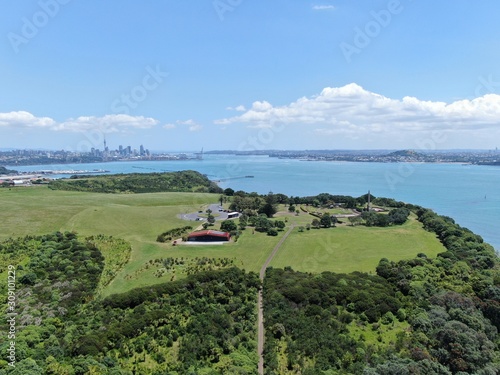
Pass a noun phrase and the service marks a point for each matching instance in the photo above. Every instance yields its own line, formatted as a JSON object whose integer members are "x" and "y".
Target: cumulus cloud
{"x": 352, "y": 110}
{"x": 22, "y": 119}
{"x": 323, "y": 7}
{"x": 107, "y": 123}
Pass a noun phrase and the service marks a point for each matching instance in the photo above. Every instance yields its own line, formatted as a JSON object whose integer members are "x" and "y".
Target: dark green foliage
{"x": 272, "y": 232}
{"x": 209, "y": 316}
{"x": 61, "y": 271}
{"x": 454, "y": 302}
{"x": 229, "y": 192}
{"x": 172, "y": 234}
{"x": 261, "y": 223}
{"x": 398, "y": 216}
{"x": 220, "y": 306}
{"x": 326, "y": 221}
{"x": 183, "y": 181}
{"x": 269, "y": 208}
{"x": 228, "y": 226}
{"x": 303, "y": 310}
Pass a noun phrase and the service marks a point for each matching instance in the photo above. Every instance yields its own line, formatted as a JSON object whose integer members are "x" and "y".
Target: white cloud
{"x": 240, "y": 108}
{"x": 323, "y": 7}
{"x": 107, "y": 123}
{"x": 192, "y": 125}
{"x": 195, "y": 128}
{"x": 189, "y": 122}
{"x": 22, "y": 119}
{"x": 353, "y": 111}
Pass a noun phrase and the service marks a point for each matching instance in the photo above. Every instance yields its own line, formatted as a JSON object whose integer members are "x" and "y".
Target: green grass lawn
{"x": 39, "y": 210}
{"x": 346, "y": 248}
{"x": 137, "y": 218}
{"x": 140, "y": 218}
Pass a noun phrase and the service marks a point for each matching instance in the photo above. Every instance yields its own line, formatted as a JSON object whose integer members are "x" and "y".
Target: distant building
{"x": 209, "y": 236}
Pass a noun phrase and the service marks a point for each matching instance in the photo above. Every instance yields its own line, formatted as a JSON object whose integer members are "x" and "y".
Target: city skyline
{"x": 250, "y": 75}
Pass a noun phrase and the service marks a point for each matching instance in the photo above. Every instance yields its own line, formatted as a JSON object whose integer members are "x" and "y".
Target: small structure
{"x": 209, "y": 236}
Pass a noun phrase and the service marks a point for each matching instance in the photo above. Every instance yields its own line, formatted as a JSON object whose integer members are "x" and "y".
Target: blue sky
{"x": 241, "y": 74}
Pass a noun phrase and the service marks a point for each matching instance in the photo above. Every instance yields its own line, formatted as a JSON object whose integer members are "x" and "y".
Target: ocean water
{"x": 468, "y": 193}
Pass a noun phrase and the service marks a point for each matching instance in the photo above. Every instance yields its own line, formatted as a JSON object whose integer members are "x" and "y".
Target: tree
{"x": 291, "y": 208}
{"x": 269, "y": 208}
{"x": 316, "y": 223}
{"x": 326, "y": 220}
{"x": 279, "y": 224}
{"x": 399, "y": 216}
{"x": 382, "y": 220}
{"x": 354, "y": 220}
{"x": 229, "y": 192}
{"x": 243, "y": 221}
{"x": 228, "y": 225}
{"x": 272, "y": 232}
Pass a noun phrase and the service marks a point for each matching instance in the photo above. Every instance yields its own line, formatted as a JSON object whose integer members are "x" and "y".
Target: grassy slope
{"x": 345, "y": 249}
{"x": 139, "y": 218}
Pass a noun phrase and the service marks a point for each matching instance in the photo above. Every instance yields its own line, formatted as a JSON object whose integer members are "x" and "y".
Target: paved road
{"x": 260, "y": 315}
{"x": 215, "y": 210}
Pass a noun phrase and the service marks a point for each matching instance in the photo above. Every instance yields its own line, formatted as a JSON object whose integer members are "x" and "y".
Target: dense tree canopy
{"x": 183, "y": 181}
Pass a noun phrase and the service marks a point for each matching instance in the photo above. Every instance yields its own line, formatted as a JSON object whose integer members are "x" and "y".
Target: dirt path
{"x": 260, "y": 315}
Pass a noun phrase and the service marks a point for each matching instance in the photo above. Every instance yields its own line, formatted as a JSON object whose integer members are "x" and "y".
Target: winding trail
{"x": 260, "y": 315}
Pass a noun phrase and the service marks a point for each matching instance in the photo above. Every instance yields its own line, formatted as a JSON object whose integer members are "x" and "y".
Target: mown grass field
{"x": 139, "y": 218}
{"x": 347, "y": 248}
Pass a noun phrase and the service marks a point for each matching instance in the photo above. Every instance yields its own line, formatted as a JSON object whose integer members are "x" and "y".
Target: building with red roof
{"x": 209, "y": 236}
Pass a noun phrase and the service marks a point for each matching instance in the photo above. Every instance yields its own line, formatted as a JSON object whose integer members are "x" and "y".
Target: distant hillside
{"x": 405, "y": 153}
{"x": 4, "y": 170}
{"x": 183, "y": 181}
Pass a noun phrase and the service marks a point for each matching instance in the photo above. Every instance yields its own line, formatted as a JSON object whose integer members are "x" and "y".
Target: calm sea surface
{"x": 468, "y": 193}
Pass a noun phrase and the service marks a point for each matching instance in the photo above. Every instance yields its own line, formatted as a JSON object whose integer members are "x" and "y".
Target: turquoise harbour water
{"x": 468, "y": 193}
